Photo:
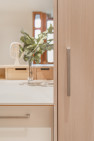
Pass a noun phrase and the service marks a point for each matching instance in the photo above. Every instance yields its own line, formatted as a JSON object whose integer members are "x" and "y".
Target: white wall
{"x": 14, "y": 17}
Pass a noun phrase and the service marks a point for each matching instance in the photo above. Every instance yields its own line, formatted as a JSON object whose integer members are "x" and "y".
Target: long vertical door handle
{"x": 68, "y": 71}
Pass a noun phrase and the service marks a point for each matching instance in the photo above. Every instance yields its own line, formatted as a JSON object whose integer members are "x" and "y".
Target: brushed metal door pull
{"x": 68, "y": 71}
{"x": 15, "y": 117}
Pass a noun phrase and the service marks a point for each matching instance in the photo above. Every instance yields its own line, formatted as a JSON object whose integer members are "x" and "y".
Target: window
{"x": 40, "y": 23}
{"x": 50, "y": 54}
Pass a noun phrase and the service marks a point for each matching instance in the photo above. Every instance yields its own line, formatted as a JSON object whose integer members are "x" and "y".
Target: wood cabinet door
{"x": 76, "y": 30}
{"x": 26, "y": 123}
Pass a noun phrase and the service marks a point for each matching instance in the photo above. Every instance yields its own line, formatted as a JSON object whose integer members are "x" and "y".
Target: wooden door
{"x": 76, "y": 30}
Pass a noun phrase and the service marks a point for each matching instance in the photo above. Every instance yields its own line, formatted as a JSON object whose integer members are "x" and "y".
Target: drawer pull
{"x": 45, "y": 68}
{"x": 20, "y": 69}
{"x": 15, "y": 117}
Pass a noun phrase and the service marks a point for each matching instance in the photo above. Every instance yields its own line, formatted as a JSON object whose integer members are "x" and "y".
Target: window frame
{"x": 44, "y": 18}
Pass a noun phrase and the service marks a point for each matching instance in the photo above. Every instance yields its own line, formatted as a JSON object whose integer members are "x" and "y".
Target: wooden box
{"x": 17, "y": 73}
{"x": 44, "y": 73}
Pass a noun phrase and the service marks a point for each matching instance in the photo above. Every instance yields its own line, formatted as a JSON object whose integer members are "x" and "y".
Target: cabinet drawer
{"x": 45, "y": 73}
{"x": 15, "y": 125}
{"x": 17, "y": 73}
{"x": 39, "y": 116}
{"x": 2, "y": 73}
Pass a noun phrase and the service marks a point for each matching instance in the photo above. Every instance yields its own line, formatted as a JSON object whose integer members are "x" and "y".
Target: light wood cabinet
{"x": 44, "y": 73}
{"x": 17, "y": 73}
{"x": 22, "y": 72}
{"x": 2, "y": 73}
{"x": 76, "y": 30}
{"x": 22, "y": 123}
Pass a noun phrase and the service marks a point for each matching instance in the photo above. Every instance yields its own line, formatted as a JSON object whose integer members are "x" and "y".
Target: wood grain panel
{"x": 40, "y": 121}
{"x": 40, "y": 116}
{"x": 44, "y": 73}
{"x": 13, "y": 74}
{"x": 76, "y": 29}
{"x": 55, "y": 69}
{"x": 2, "y": 73}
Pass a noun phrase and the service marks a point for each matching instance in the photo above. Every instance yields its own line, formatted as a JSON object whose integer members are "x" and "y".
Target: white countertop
{"x": 17, "y": 92}
{"x": 26, "y": 66}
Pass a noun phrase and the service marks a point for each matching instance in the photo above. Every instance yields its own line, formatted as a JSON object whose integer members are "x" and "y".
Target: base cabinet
{"x": 25, "y": 134}
{"x": 22, "y": 73}
{"x": 17, "y": 73}
{"x": 44, "y": 73}
{"x": 26, "y": 123}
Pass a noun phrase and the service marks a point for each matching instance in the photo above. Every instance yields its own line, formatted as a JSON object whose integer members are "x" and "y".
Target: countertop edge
{"x": 26, "y": 104}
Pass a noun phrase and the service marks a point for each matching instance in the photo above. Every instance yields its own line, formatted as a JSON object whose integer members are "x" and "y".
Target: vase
{"x": 30, "y": 78}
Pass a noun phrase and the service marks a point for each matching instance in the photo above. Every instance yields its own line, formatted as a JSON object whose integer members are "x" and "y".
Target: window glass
{"x": 37, "y": 21}
{"x": 49, "y": 22}
{"x": 50, "y": 54}
{"x": 37, "y": 32}
{"x": 50, "y": 57}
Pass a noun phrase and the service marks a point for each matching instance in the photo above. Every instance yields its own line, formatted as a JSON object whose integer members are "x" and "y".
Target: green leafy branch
{"x": 33, "y": 48}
